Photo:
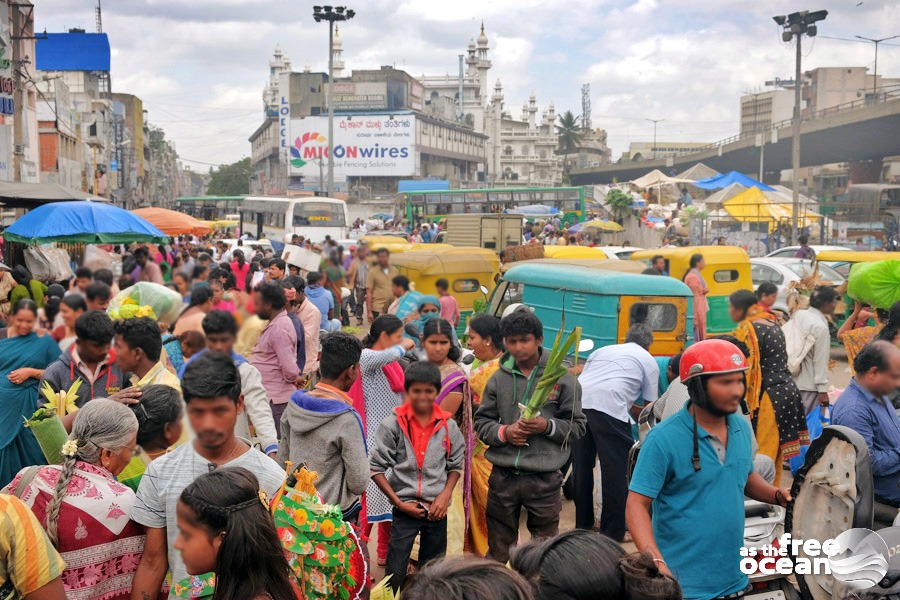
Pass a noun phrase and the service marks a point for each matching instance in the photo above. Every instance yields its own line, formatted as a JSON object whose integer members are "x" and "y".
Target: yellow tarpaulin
{"x": 752, "y": 206}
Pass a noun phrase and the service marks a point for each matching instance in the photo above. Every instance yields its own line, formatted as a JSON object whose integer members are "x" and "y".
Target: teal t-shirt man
{"x": 698, "y": 516}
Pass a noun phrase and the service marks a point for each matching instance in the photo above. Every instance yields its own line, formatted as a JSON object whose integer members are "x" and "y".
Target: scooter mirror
{"x": 484, "y": 290}
{"x": 585, "y": 345}
{"x": 468, "y": 359}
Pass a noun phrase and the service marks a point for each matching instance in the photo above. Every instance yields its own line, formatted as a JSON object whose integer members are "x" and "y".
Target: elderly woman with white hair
{"x": 86, "y": 512}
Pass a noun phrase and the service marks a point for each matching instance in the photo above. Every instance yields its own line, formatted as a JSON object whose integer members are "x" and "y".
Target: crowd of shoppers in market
{"x": 178, "y": 431}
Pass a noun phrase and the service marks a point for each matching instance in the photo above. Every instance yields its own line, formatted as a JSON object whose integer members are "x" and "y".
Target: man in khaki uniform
{"x": 379, "y": 289}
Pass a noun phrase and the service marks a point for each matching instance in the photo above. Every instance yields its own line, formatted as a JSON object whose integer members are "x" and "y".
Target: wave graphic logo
{"x": 862, "y": 559}
{"x": 297, "y": 149}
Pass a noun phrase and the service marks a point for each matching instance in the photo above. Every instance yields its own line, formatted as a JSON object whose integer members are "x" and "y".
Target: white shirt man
{"x": 613, "y": 378}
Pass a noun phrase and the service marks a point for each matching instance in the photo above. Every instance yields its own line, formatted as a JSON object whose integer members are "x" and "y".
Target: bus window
{"x": 659, "y": 316}
{"x": 318, "y": 214}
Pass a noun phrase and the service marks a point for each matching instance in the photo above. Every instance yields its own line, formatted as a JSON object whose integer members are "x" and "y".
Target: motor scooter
{"x": 833, "y": 491}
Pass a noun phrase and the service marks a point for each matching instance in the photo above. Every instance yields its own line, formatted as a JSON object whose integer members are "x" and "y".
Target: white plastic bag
{"x": 166, "y": 304}
{"x": 96, "y": 258}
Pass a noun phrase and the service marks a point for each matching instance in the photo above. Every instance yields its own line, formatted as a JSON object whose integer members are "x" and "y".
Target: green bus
{"x": 435, "y": 205}
{"x": 210, "y": 208}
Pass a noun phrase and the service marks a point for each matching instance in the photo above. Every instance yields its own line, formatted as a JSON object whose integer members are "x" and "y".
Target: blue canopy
{"x": 724, "y": 180}
{"x": 82, "y": 221}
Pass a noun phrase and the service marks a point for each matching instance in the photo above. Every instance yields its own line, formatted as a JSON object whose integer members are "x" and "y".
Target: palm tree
{"x": 569, "y": 133}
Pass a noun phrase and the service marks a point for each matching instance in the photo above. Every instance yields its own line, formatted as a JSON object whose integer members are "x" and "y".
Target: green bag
{"x": 875, "y": 283}
{"x": 50, "y": 435}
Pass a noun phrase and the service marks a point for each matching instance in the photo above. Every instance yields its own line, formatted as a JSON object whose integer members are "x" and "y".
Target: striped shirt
{"x": 28, "y": 560}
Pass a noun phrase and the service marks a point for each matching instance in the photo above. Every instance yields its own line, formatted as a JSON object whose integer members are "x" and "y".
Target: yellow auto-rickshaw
{"x": 466, "y": 270}
{"x": 568, "y": 252}
{"x": 606, "y": 264}
{"x": 727, "y": 270}
{"x": 841, "y": 260}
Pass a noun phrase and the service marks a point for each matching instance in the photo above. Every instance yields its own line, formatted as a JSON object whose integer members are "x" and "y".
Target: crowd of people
{"x": 180, "y": 431}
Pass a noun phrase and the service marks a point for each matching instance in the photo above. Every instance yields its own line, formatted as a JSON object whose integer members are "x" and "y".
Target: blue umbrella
{"x": 382, "y": 216}
{"x": 82, "y": 221}
{"x": 726, "y": 179}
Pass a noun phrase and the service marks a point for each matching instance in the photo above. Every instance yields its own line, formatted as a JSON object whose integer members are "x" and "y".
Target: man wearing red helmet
{"x": 694, "y": 470}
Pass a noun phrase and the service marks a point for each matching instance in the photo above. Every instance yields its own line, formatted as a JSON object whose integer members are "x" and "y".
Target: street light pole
{"x": 655, "y": 121}
{"x": 331, "y": 14}
{"x": 795, "y": 25}
{"x": 875, "y": 76}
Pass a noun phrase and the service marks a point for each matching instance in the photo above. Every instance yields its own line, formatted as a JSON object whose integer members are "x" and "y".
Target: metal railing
{"x": 889, "y": 94}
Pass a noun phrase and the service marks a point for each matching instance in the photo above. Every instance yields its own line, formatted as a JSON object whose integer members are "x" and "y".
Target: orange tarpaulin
{"x": 171, "y": 222}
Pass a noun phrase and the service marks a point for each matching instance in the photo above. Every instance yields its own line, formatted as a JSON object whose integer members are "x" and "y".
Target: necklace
{"x": 211, "y": 466}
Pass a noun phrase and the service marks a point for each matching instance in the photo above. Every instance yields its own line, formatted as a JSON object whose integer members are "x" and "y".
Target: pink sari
{"x": 100, "y": 543}
{"x": 457, "y": 382}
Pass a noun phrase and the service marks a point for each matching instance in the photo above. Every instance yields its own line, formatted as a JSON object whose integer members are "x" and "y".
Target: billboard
{"x": 364, "y": 146}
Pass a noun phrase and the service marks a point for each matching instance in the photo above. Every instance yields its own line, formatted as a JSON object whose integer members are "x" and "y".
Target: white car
{"x": 253, "y": 245}
{"x": 620, "y": 252}
{"x": 783, "y": 271}
{"x": 791, "y": 251}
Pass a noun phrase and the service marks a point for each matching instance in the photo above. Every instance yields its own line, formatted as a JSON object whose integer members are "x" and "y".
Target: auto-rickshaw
{"x": 727, "y": 271}
{"x": 466, "y": 270}
{"x": 604, "y": 303}
{"x": 842, "y": 261}
{"x": 607, "y": 264}
{"x": 574, "y": 252}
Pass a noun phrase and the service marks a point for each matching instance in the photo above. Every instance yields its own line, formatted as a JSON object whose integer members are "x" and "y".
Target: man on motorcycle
{"x": 694, "y": 470}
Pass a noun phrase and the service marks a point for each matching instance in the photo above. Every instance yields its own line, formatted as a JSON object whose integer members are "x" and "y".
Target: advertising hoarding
{"x": 364, "y": 146}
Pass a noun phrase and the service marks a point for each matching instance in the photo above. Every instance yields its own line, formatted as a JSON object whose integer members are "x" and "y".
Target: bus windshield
{"x": 319, "y": 214}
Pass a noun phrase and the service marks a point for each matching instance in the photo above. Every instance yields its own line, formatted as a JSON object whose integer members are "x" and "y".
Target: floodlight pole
{"x": 795, "y": 147}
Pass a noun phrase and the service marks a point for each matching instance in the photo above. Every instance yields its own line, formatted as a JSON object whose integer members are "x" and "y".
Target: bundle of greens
{"x": 46, "y": 424}
{"x": 554, "y": 370}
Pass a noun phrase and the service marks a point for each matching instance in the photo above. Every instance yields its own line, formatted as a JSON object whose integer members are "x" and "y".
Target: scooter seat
{"x": 885, "y": 515}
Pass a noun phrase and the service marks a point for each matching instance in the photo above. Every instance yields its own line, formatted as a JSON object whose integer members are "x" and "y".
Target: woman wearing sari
{"x": 854, "y": 339}
{"x": 694, "y": 280}
{"x": 86, "y": 512}
{"x": 376, "y": 393}
{"x": 772, "y": 397}
{"x": 441, "y": 350}
{"x": 487, "y": 345}
{"x": 23, "y": 357}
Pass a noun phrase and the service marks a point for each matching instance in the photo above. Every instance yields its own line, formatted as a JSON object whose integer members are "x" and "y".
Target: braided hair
{"x": 251, "y": 560}
{"x": 101, "y": 425}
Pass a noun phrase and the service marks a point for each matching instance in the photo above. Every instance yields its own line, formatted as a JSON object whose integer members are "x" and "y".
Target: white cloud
{"x": 201, "y": 66}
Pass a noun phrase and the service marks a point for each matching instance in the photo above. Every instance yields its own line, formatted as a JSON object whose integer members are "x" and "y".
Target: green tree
{"x": 620, "y": 203}
{"x": 569, "y": 133}
{"x": 231, "y": 180}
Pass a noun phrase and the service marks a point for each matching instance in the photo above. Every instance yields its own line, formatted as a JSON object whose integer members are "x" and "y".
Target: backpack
{"x": 798, "y": 342}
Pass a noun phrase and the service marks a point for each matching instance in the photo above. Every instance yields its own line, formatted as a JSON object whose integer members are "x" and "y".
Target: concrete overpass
{"x": 850, "y": 132}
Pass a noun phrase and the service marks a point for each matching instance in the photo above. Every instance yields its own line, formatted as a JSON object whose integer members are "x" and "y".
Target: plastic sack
{"x": 96, "y": 258}
{"x": 815, "y": 423}
{"x": 875, "y": 283}
{"x": 166, "y": 304}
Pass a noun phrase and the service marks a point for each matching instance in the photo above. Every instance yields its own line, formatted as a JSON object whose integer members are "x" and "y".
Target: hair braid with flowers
{"x": 101, "y": 424}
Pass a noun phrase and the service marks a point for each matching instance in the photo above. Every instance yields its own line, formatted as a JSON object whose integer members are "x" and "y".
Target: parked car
{"x": 791, "y": 251}
{"x": 620, "y": 252}
{"x": 783, "y": 271}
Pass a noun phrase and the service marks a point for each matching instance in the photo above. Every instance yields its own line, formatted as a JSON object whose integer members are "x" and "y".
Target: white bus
{"x": 278, "y": 219}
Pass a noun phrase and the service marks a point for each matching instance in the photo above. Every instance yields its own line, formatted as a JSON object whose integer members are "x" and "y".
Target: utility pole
{"x": 795, "y": 25}
{"x": 331, "y": 14}
{"x": 875, "y": 76}
{"x": 655, "y": 121}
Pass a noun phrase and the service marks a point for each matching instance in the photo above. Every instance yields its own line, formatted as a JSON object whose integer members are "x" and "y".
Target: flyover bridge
{"x": 857, "y": 131}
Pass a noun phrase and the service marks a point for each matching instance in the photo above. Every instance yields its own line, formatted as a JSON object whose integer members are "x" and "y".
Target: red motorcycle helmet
{"x": 711, "y": 357}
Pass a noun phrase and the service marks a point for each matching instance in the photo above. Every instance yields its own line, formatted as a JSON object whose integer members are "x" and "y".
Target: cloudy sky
{"x": 201, "y": 66}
